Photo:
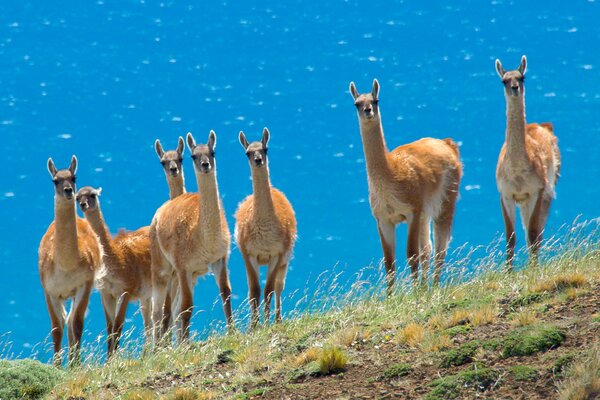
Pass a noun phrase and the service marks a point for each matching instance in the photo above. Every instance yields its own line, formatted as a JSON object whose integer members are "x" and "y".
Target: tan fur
{"x": 125, "y": 275}
{"x": 528, "y": 166}
{"x": 414, "y": 183}
{"x": 189, "y": 236}
{"x": 265, "y": 231}
{"x": 68, "y": 256}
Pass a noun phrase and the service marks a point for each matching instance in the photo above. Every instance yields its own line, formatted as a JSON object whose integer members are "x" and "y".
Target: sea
{"x": 104, "y": 79}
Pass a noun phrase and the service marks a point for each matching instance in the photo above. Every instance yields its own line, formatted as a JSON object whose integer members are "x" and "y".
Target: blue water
{"x": 103, "y": 80}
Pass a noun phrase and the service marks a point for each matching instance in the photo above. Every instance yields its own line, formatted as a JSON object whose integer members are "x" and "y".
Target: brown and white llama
{"x": 265, "y": 230}
{"x": 189, "y": 236}
{"x": 68, "y": 257}
{"x": 528, "y": 166}
{"x": 414, "y": 183}
{"x": 125, "y": 275}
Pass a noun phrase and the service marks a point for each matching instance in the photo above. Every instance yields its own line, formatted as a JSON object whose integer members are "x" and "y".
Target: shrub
{"x": 523, "y": 373}
{"x": 332, "y": 360}
{"x": 26, "y": 379}
{"x": 460, "y": 356}
{"x": 396, "y": 371}
{"x": 524, "y": 342}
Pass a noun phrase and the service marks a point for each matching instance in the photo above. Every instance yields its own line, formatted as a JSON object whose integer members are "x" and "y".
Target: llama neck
{"x": 176, "y": 186}
{"x": 261, "y": 187}
{"x": 374, "y": 147}
{"x": 65, "y": 244}
{"x": 515, "y": 127}
{"x": 96, "y": 221}
{"x": 210, "y": 203}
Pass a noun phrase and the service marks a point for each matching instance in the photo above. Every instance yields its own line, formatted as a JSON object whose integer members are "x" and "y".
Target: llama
{"x": 189, "y": 236}
{"x": 171, "y": 161}
{"x": 125, "y": 275}
{"x": 414, "y": 183}
{"x": 265, "y": 230}
{"x": 68, "y": 257}
{"x": 528, "y": 166}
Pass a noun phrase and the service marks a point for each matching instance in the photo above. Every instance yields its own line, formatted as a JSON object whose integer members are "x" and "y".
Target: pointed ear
{"x": 52, "y": 168}
{"x": 180, "y": 145}
{"x": 212, "y": 140}
{"x": 265, "y": 137}
{"x": 190, "y": 141}
{"x": 73, "y": 166}
{"x": 353, "y": 91}
{"x": 98, "y": 191}
{"x": 499, "y": 69}
{"x": 523, "y": 65}
{"x": 375, "y": 91}
{"x": 159, "y": 149}
{"x": 243, "y": 140}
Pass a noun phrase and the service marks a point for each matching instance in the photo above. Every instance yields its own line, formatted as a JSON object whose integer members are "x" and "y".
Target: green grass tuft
{"x": 460, "y": 356}
{"x": 523, "y": 373}
{"x": 531, "y": 340}
{"x": 27, "y": 379}
{"x": 396, "y": 371}
{"x": 457, "y": 330}
{"x": 332, "y": 360}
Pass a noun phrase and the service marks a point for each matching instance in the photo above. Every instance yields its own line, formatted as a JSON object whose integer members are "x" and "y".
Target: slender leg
{"x": 168, "y": 306}
{"x": 425, "y": 248}
{"x": 109, "y": 304}
{"x": 279, "y": 285}
{"x": 122, "y": 304}
{"x": 442, "y": 227}
{"x": 146, "y": 310}
{"x": 80, "y": 303}
{"x": 270, "y": 287}
{"x": 162, "y": 271}
{"x": 387, "y": 235}
{"x": 509, "y": 215}
{"x": 56, "y": 309}
{"x": 222, "y": 277}
{"x": 252, "y": 273}
{"x": 412, "y": 245}
{"x": 186, "y": 310}
{"x": 535, "y": 226}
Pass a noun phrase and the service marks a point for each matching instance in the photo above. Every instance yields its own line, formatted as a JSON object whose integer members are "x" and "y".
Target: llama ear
{"x": 499, "y": 69}
{"x": 375, "y": 91}
{"x": 190, "y": 141}
{"x": 73, "y": 166}
{"x": 52, "y": 168}
{"x": 265, "y": 137}
{"x": 243, "y": 140}
{"x": 180, "y": 146}
{"x": 212, "y": 140}
{"x": 523, "y": 65}
{"x": 159, "y": 149}
{"x": 99, "y": 191}
{"x": 353, "y": 91}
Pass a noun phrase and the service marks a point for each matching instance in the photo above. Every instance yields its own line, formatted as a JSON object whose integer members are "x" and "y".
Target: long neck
{"x": 261, "y": 187}
{"x": 176, "y": 186}
{"x": 96, "y": 220}
{"x": 515, "y": 126}
{"x": 210, "y": 203}
{"x": 374, "y": 147}
{"x": 65, "y": 244}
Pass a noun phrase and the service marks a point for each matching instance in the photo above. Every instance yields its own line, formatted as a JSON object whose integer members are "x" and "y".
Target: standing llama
{"x": 528, "y": 166}
{"x": 189, "y": 236}
{"x": 68, "y": 258}
{"x": 413, "y": 183}
{"x": 125, "y": 275}
{"x": 265, "y": 230}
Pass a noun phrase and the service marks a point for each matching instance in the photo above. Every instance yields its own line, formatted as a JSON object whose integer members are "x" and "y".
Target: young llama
{"x": 125, "y": 276}
{"x": 69, "y": 254}
{"x": 414, "y": 183}
{"x": 265, "y": 230}
{"x": 189, "y": 236}
{"x": 528, "y": 166}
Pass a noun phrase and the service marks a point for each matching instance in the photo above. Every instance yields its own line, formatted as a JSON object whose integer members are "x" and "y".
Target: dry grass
{"x": 584, "y": 383}
{"x": 350, "y": 337}
{"x": 411, "y": 335}
{"x": 434, "y": 342}
{"x": 484, "y": 316}
{"x": 458, "y": 317}
{"x": 332, "y": 360}
{"x": 560, "y": 282}
{"x": 140, "y": 394}
{"x": 188, "y": 394}
{"x": 74, "y": 388}
{"x": 309, "y": 355}
{"x": 524, "y": 318}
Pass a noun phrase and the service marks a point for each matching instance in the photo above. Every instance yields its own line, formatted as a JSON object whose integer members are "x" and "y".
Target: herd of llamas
{"x": 157, "y": 265}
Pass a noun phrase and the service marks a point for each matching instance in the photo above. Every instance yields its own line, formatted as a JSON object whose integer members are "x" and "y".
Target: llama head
{"x": 64, "y": 179}
{"x": 256, "y": 151}
{"x": 203, "y": 155}
{"x": 171, "y": 159}
{"x": 367, "y": 103}
{"x": 87, "y": 198}
{"x": 513, "y": 81}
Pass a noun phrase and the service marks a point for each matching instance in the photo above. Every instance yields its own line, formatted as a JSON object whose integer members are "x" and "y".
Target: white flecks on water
{"x": 65, "y": 136}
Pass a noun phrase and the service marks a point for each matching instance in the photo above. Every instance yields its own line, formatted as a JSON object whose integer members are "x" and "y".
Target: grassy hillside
{"x": 531, "y": 334}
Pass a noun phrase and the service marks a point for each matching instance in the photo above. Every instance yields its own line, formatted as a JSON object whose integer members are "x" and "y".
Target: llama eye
{"x": 74, "y": 179}
{"x": 93, "y": 196}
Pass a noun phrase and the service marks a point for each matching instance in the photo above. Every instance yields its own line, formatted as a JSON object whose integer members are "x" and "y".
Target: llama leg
{"x": 159, "y": 293}
{"x": 168, "y": 307}
{"x": 122, "y": 304}
{"x": 109, "y": 304}
{"x": 77, "y": 314}
{"x": 279, "y": 285}
{"x": 387, "y": 235}
{"x": 186, "y": 293}
{"x": 56, "y": 309}
{"x": 442, "y": 229}
{"x": 412, "y": 245}
{"x": 252, "y": 274}
{"x": 146, "y": 310}
{"x": 535, "y": 227}
{"x": 425, "y": 248}
{"x": 509, "y": 215}
{"x": 222, "y": 277}
{"x": 270, "y": 287}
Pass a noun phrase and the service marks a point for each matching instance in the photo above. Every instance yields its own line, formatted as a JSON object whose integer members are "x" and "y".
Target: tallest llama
{"x": 528, "y": 166}
{"x": 414, "y": 183}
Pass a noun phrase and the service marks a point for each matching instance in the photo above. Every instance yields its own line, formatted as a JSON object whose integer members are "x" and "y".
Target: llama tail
{"x": 452, "y": 145}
